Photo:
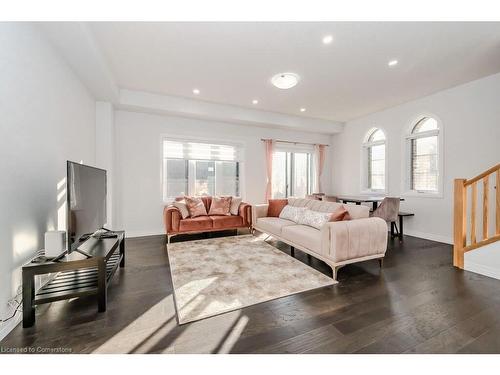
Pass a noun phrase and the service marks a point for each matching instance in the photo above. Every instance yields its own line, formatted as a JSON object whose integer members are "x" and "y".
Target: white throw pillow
{"x": 182, "y": 207}
{"x": 291, "y": 213}
{"x": 235, "y": 205}
{"x": 314, "y": 219}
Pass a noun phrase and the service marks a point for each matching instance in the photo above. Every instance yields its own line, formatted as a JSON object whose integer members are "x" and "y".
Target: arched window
{"x": 424, "y": 163}
{"x": 374, "y": 155}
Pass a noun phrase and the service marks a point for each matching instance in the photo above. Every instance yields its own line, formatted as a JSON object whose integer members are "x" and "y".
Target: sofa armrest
{"x": 259, "y": 210}
{"x": 171, "y": 218}
{"x": 358, "y": 238}
{"x": 245, "y": 211}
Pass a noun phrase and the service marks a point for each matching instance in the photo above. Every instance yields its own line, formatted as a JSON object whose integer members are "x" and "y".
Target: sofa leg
{"x": 381, "y": 262}
{"x": 335, "y": 272}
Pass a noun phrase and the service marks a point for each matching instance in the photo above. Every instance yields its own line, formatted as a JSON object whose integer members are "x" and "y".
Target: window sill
{"x": 416, "y": 194}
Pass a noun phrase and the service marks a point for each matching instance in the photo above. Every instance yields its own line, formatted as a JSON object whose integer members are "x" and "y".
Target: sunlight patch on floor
{"x": 192, "y": 291}
{"x": 234, "y": 335}
{"x": 145, "y": 331}
{"x": 210, "y": 335}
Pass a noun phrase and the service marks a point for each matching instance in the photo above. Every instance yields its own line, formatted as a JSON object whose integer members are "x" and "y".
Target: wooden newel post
{"x": 459, "y": 222}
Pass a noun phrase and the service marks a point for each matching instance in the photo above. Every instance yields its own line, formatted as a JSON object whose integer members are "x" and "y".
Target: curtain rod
{"x": 295, "y": 143}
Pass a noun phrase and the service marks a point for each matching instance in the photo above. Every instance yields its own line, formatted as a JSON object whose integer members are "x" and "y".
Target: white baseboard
{"x": 429, "y": 236}
{"x": 143, "y": 233}
{"x": 8, "y": 326}
{"x": 482, "y": 269}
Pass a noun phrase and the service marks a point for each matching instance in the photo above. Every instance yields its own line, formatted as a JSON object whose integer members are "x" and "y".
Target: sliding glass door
{"x": 292, "y": 174}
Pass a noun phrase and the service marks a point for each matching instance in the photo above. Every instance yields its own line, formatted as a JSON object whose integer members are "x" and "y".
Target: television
{"x": 86, "y": 201}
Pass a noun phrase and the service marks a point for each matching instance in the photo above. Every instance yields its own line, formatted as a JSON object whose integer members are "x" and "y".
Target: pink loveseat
{"x": 175, "y": 224}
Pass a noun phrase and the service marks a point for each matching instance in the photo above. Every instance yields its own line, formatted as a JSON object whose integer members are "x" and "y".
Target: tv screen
{"x": 86, "y": 201}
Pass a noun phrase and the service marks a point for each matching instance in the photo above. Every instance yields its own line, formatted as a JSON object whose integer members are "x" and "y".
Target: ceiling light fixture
{"x": 393, "y": 63}
{"x": 285, "y": 81}
{"x": 327, "y": 39}
{"x": 302, "y": 110}
{"x": 255, "y": 101}
{"x": 196, "y": 91}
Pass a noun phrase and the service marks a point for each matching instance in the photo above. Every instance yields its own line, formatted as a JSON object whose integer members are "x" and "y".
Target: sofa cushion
{"x": 303, "y": 235}
{"x": 235, "y": 205}
{"x": 221, "y": 222}
{"x": 292, "y": 213}
{"x": 314, "y": 219}
{"x": 355, "y": 211}
{"x": 181, "y": 205}
{"x": 340, "y": 214}
{"x": 196, "y": 206}
{"x": 272, "y": 225}
{"x": 196, "y": 224}
{"x": 276, "y": 206}
{"x": 220, "y": 206}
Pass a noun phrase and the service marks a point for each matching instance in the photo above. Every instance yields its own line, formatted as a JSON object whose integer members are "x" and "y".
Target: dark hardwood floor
{"x": 417, "y": 303}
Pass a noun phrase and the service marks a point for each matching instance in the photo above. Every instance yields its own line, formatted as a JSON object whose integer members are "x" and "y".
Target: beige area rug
{"x": 214, "y": 276}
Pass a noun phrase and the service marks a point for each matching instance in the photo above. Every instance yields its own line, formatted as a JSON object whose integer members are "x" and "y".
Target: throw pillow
{"x": 291, "y": 213}
{"x": 195, "y": 206}
{"x": 182, "y": 207}
{"x": 275, "y": 207}
{"x": 235, "y": 205}
{"x": 340, "y": 214}
{"x": 220, "y": 206}
{"x": 314, "y": 219}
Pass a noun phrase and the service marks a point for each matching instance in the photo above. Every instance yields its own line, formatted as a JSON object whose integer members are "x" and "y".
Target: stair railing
{"x": 461, "y": 241}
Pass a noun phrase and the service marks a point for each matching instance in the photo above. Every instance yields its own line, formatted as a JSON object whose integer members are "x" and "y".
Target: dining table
{"x": 375, "y": 200}
{"x": 358, "y": 199}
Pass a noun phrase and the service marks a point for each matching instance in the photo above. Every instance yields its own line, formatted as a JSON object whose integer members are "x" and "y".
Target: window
{"x": 197, "y": 168}
{"x": 292, "y": 174}
{"x": 374, "y": 159}
{"x": 423, "y": 144}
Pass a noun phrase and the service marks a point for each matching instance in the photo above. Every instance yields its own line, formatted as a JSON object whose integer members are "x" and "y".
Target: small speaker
{"x": 55, "y": 243}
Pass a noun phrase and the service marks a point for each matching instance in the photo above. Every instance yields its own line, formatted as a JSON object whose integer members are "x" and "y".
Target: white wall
{"x": 47, "y": 117}
{"x": 138, "y": 187}
{"x": 470, "y": 115}
{"x": 105, "y": 151}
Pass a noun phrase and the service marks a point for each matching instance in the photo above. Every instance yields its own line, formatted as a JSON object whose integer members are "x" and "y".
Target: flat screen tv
{"x": 86, "y": 201}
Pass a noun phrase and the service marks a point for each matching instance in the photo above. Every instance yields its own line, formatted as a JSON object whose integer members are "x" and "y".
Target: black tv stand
{"x": 87, "y": 270}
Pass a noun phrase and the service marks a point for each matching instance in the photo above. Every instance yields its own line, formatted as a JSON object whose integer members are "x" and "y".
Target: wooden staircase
{"x": 464, "y": 237}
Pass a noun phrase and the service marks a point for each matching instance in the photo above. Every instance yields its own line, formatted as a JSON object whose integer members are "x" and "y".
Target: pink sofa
{"x": 174, "y": 224}
{"x": 336, "y": 243}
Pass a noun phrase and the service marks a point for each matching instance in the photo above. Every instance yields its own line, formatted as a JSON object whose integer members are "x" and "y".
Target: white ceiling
{"x": 232, "y": 63}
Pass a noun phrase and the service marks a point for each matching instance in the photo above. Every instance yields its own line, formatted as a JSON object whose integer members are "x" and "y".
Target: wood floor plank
{"x": 417, "y": 303}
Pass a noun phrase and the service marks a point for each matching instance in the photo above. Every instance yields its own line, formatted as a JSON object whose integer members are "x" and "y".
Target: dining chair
{"x": 389, "y": 211}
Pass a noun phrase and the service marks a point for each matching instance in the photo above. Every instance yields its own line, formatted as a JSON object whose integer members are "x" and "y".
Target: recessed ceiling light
{"x": 327, "y": 39}
{"x": 285, "y": 80}
{"x": 255, "y": 101}
{"x": 196, "y": 91}
{"x": 302, "y": 110}
{"x": 392, "y": 63}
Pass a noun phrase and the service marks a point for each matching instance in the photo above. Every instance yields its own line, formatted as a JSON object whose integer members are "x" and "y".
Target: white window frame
{"x": 408, "y": 136}
{"x": 364, "y": 189}
{"x": 236, "y": 143}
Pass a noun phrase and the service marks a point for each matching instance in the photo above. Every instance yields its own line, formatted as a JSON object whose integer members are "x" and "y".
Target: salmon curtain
{"x": 269, "y": 145}
{"x": 320, "y": 164}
